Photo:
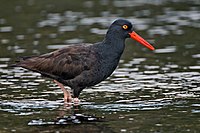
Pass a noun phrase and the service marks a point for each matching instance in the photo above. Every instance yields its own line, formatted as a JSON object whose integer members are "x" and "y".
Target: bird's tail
{"x": 19, "y": 61}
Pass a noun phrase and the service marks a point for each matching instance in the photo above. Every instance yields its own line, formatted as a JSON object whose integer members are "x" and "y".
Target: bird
{"x": 84, "y": 65}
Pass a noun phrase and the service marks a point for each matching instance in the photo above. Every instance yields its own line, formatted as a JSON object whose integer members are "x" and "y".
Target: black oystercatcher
{"x": 83, "y": 65}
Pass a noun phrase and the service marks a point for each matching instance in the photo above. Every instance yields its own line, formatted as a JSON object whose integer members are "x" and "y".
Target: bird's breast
{"x": 107, "y": 67}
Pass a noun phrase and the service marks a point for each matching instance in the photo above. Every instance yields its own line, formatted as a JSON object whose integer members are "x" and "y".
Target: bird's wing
{"x": 65, "y": 63}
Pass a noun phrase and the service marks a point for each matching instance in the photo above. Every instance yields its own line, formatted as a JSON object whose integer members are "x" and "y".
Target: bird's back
{"x": 65, "y": 63}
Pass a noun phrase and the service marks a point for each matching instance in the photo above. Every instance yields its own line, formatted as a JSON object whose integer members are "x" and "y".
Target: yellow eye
{"x": 125, "y": 27}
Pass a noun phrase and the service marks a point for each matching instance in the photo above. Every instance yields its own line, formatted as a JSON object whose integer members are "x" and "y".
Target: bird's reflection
{"x": 69, "y": 109}
{"x": 68, "y": 114}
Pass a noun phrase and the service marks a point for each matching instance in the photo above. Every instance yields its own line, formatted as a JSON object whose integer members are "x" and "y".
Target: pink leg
{"x": 67, "y": 95}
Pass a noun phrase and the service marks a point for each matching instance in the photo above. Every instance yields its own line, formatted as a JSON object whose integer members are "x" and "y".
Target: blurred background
{"x": 154, "y": 92}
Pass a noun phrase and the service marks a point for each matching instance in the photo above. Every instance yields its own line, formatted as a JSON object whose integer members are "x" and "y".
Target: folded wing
{"x": 65, "y": 63}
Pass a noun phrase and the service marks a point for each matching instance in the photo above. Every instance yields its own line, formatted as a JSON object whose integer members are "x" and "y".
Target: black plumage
{"x": 83, "y": 65}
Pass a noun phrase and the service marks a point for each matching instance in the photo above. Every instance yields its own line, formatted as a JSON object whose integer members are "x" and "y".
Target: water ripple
{"x": 127, "y": 105}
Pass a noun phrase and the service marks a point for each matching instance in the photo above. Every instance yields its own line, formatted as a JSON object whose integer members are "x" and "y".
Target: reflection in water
{"x": 66, "y": 116}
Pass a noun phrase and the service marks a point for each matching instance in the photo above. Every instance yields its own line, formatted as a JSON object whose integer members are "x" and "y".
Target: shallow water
{"x": 155, "y": 91}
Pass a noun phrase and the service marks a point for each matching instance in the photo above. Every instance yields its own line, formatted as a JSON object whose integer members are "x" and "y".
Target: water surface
{"x": 149, "y": 92}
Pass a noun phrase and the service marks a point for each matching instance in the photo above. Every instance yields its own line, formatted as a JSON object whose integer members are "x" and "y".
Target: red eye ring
{"x": 125, "y": 27}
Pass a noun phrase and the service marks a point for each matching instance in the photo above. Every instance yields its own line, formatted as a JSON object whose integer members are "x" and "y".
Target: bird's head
{"x": 124, "y": 29}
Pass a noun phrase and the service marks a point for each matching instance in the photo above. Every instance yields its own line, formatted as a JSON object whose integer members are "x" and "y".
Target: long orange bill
{"x": 139, "y": 39}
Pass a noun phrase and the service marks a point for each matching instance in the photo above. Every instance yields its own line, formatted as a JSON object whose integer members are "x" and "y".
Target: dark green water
{"x": 153, "y": 92}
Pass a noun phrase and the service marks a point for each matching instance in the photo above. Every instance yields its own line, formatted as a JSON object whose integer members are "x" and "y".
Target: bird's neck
{"x": 114, "y": 43}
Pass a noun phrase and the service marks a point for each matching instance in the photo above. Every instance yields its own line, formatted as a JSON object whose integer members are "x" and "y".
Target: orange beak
{"x": 139, "y": 39}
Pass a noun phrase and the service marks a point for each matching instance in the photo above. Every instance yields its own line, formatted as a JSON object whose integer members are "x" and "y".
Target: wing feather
{"x": 65, "y": 63}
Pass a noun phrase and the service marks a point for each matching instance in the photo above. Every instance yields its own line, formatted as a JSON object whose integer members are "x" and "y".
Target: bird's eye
{"x": 125, "y": 27}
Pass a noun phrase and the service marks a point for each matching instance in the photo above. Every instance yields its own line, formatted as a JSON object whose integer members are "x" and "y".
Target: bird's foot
{"x": 76, "y": 101}
{"x": 70, "y": 100}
